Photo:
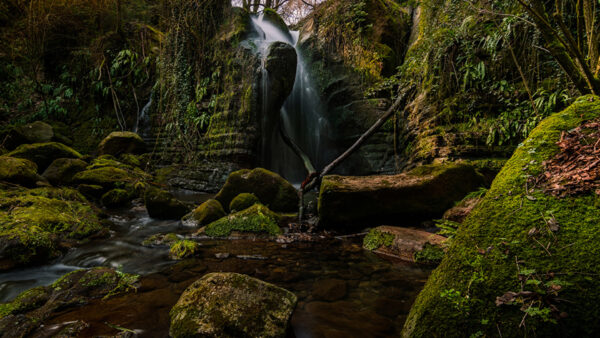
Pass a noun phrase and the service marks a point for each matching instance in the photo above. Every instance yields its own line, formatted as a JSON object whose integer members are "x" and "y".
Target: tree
{"x": 571, "y": 31}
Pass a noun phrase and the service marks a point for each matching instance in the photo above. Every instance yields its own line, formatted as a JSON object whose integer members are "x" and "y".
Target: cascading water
{"x": 302, "y": 113}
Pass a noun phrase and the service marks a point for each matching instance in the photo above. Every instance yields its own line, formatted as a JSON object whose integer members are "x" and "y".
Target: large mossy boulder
{"x": 121, "y": 142}
{"x": 257, "y": 219}
{"x": 206, "y": 213}
{"x": 271, "y": 189}
{"x": 406, "y": 244}
{"x": 420, "y": 194}
{"x": 36, "y": 132}
{"x": 232, "y": 305}
{"x": 43, "y": 154}
{"x": 106, "y": 177}
{"x": 524, "y": 262}
{"x": 243, "y": 201}
{"x": 62, "y": 170}
{"x": 161, "y": 204}
{"x": 19, "y": 171}
{"x": 37, "y": 224}
{"x": 22, "y": 316}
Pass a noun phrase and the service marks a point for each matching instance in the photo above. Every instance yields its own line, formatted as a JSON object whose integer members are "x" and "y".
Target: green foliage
{"x": 376, "y": 239}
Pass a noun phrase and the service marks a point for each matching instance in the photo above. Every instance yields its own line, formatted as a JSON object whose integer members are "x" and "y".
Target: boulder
{"x": 162, "y": 204}
{"x": 243, "y": 201}
{"x": 232, "y": 305}
{"x": 522, "y": 251}
{"x": 257, "y": 219}
{"x": 161, "y": 239}
{"x": 62, "y": 170}
{"x": 116, "y": 198}
{"x": 406, "y": 244}
{"x": 121, "y": 142}
{"x": 36, "y": 132}
{"x": 271, "y": 189}
{"x": 206, "y": 213}
{"x": 106, "y": 177}
{"x": 19, "y": 171}
{"x": 43, "y": 154}
{"x": 420, "y": 194}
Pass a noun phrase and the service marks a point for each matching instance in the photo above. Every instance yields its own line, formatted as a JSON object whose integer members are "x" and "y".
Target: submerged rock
{"x": 271, "y": 189}
{"x": 19, "y": 171}
{"x": 257, "y": 219}
{"x": 206, "y": 213}
{"x": 420, "y": 194}
{"x": 243, "y": 201}
{"x": 62, "y": 170}
{"x": 121, "y": 142}
{"x": 43, "y": 154}
{"x": 406, "y": 244}
{"x": 520, "y": 252}
{"x": 232, "y": 305}
{"x": 162, "y": 204}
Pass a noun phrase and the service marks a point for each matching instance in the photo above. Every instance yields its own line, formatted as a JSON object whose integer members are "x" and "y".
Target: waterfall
{"x": 142, "y": 124}
{"x": 302, "y": 113}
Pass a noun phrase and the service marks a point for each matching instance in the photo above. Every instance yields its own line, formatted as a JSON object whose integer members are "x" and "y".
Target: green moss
{"x": 256, "y": 219}
{"x": 206, "y": 213}
{"x": 116, "y": 198}
{"x": 503, "y": 237}
{"x": 243, "y": 201}
{"x": 17, "y": 170}
{"x": 43, "y": 154}
{"x": 183, "y": 249}
{"x": 26, "y": 301}
{"x": 430, "y": 254}
{"x": 160, "y": 239}
{"x": 375, "y": 239}
{"x": 109, "y": 177}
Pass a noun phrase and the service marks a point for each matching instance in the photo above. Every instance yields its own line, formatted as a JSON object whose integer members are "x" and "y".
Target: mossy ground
{"x": 510, "y": 243}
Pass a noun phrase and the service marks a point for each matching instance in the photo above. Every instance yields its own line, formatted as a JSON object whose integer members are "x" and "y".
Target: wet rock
{"x": 43, "y": 154}
{"x": 206, "y": 213}
{"x": 232, "y": 305}
{"x": 160, "y": 239}
{"x": 257, "y": 219}
{"x": 116, "y": 198}
{"x": 243, "y": 201}
{"x": 420, "y": 194}
{"x": 281, "y": 62}
{"x": 19, "y": 171}
{"x": 329, "y": 289}
{"x": 121, "y": 142}
{"x": 271, "y": 189}
{"x": 62, "y": 170}
{"x": 162, "y": 204}
{"x": 406, "y": 244}
{"x": 183, "y": 249}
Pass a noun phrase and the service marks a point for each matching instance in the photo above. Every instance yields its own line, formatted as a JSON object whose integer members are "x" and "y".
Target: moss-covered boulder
{"x": 232, "y": 305}
{"x": 116, "y": 198}
{"x": 43, "y": 154}
{"x": 106, "y": 177}
{"x": 406, "y": 244}
{"x": 271, "y": 189}
{"x": 183, "y": 249}
{"x": 420, "y": 194}
{"x": 62, "y": 170}
{"x": 19, "y": 171}
{"x": 23, "y": 316}
{"x": 524, "y": 262}
{"x": 206, "y": 213}
{"x": 36, "y": 225}
{"x": 121, "y": 142}
{"x": 162, "y": 204}
{"x": 36, "y": 132}
{"x": 243, "y": 201}
{"x": 257, "y": 219}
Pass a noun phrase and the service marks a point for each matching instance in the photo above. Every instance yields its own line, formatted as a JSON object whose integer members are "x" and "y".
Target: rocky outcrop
{"x": 162, "y": 204}
{"x": 520, "y": 253}
{"x": 121, "y": 142}
{"x": 406, "y": 244}
{"x": 420, "y": 194}
{"x": 19, "y": 171}
{"x": 62, "y": 170}
{"x": 232, "y": 305}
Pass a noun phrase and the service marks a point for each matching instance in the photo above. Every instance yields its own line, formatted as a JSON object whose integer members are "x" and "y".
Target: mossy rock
{"x": 109, "y": 161}
{"x": 206, "y": 213}
{"x": 19, "y": 171}
{"x": 270, "y": 188}
{"x": 121, "y": 142}
{"x": 420, "y": 194}
{"x": 43, "y": 154}
{"x": 62, "y": 170}
{"x": 34, "y": 224}
{"x": 407, "y": 244}
{"x": 116, "y": 198}
{"x": 161, "y": 239}
{"x": 36, "y": 132}
{"x": 106, "y": 177}
{"x": 162, "y": 204}
{"x": 130, "y": 159}
{"x": 257, "y": 219}
{"x": 182, "y": 249}
{"x": 518, "y": 238}
{"x": 91, "y": 191}
{"x": 243, "y": 201}
{"x": 232, "y": 305}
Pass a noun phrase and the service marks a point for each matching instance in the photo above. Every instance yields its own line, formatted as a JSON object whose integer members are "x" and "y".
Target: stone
{"x": 18, "y": 171}
{"x": 206, "y": 213}
{"x": 257, "y": 219}
{"x": 232, "y": 305}
{"x": 406, "y": 244}
{"x": 121, "y": 142}
{"x": 270, "y": 188}
{"x": 108, "y": 177}
{"x": 62, "y": 170}
{"x": 423, "y": 193}
{"x": 162, "y": 204}
{"x": 243, "y": 201}
{"x": 43, "y": 154}
{"x": 37, "y": 132}
{"x": 116, "y": 198}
